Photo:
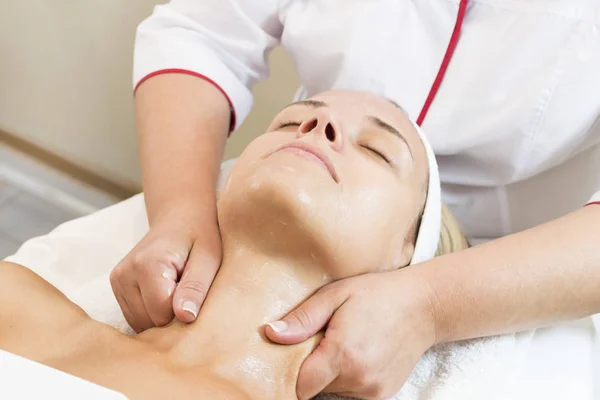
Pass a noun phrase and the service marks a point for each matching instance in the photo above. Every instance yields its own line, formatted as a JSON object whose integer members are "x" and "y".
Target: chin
{"x": 268, "y": 191}
{"x": 282, "y": 203}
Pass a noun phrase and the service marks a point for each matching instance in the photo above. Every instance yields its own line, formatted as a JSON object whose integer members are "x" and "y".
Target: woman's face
{"x": 340, "y": 177}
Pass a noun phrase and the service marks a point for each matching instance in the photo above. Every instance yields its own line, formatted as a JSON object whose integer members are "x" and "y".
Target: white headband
{"x": 431, "y": 220}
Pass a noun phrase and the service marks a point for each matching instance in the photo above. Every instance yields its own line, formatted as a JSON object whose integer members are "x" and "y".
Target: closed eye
{"x": 377, "y": 153}
{"x": 286, "y": 124}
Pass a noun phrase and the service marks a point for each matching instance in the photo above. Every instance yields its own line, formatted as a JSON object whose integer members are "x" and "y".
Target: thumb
{"x": 198, "y": 275}
{"x": 308, "y": 319}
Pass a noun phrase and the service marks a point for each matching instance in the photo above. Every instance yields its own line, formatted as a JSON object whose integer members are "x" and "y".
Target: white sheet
{"x": 23, "y": 379}
{"x": 560, "y": 362}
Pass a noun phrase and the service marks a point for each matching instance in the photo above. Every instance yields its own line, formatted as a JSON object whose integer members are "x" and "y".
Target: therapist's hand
{"x": 378, "y": 327}
{"x": 170, "y": 271}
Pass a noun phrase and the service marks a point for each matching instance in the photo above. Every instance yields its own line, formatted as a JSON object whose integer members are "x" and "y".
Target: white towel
{"x": 23, "y": 379}
{"x": 560, "y": 362}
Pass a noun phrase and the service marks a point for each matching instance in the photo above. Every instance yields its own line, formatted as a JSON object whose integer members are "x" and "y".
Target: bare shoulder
{"x": 32, "y": 311}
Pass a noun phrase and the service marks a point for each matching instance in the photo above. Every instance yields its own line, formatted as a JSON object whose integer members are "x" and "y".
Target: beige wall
{"x": 270, "y": 97}
{"x": 65, "y": 82}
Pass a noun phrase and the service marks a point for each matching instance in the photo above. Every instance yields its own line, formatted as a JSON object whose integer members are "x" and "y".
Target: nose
{"x": 322, "y": 125}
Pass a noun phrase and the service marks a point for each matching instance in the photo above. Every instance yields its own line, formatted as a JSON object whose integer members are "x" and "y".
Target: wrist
{"x": 428, "y": 302}
{"x": 189, "y": 213}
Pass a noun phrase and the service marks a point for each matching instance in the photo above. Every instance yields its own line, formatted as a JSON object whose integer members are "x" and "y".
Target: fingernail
{"x": 278, "y": 326}
{"x": 190, "y": 307}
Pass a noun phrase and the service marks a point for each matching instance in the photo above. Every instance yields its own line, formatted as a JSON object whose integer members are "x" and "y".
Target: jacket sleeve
{"x": 595, "y": 199}
{"x": 225, "y": 42}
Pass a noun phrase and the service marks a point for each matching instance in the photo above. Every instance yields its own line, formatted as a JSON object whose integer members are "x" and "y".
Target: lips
{"x": 311, "y": 152}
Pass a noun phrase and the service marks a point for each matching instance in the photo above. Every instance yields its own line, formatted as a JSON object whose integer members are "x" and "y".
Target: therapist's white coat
{"x": 515, "y": 123}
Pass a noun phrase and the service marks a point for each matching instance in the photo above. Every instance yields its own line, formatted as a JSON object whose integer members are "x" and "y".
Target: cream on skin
{"x": 332, "y": 190}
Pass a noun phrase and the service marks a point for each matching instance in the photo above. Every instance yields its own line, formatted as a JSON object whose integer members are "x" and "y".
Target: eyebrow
{"x": 309, "y": 103}
{"x": 319, "y": 104}
{"x": 389, "y": 128}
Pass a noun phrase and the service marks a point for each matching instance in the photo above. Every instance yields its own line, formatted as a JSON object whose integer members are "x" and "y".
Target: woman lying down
{"x": 338, "y": 184}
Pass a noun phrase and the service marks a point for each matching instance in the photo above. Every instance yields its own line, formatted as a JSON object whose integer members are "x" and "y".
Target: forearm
{"x": 182, "y": 123}
{"x": 526, "y": 280}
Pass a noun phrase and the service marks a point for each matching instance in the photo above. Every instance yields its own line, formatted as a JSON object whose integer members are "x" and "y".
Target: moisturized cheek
{"x": 254, "y": 184}
{"x": 338, "y": 207}
{"x": 370, "y": 201}
{"x": 227, "y": 184}
{"x": 304, "y": 198}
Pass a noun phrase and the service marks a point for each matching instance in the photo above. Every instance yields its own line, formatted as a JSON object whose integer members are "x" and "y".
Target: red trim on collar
{"x": 445, "y": 62}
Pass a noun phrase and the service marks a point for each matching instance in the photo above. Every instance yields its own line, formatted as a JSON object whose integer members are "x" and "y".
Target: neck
{"x": 250, "y": 290}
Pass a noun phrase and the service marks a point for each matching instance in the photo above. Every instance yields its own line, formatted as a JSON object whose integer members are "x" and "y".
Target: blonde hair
{"x": 452, "y": 238}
